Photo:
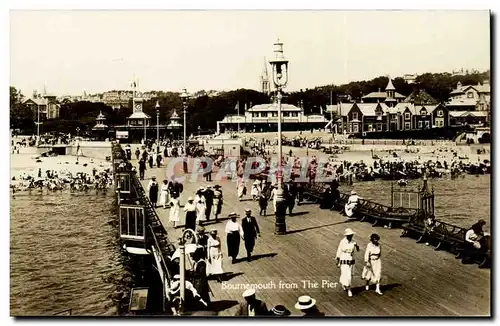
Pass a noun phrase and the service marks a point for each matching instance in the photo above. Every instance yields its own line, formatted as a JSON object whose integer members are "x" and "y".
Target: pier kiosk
{"x": 421, "y": 200}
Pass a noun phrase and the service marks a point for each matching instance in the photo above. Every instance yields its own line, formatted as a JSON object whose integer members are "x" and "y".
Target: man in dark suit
{"x": 290, "y": 195}
{"x": 250, "y": 232}
{"x": 251, "y": 307}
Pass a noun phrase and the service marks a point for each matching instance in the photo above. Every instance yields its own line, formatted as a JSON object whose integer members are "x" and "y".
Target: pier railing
{"x": 131, "y": 192}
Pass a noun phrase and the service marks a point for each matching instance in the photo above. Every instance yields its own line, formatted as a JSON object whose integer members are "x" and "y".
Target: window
{"x": 440, "y": 113}
{"x": 355, "y": 116}
{"x": 470, "y": 95}
{"x": 427, "y": 124}
{"x": 356, "y": 127}
{"x": 370, "y": 127}
{"x": 132, "y": 224}
{"x": 420, "y": 125}
{"x": 407, "y": 116}
{"x": 286, "y": 114}
{"x": 379, "y": 115}
{"x": 379, "y": 127}
{"x": 123, "y": 183}
{"x": 263, "y": 114}
{"x": 295, "y": 114}
{"x": 407, "y": 126}
{"x": 423, "y": 112}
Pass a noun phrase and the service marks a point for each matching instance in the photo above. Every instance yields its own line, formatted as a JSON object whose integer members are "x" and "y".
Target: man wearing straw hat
{"x": 251, "y": 307}
{"x": 307, "y": 305}
{"x": 345, "y": 259}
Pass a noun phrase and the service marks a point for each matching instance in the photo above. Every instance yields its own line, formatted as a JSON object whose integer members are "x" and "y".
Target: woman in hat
{"x": 345, "y": 259}
{"x": 190, "y": 210}
{"x": 218, "y": 201}
{"x": 280, "y": 311}
{"x": 234, "y": 232}
{"x": 373, "y": 264}
{"x": 201, "y": 206}
{"x": 164, "y": 190}
{"x": 352, "y": 203}
{"x": 242, "y": 190}
{"x": 214, "y": 253}
{"x": 175, "y": 211}
{"x": 307, "y": 306}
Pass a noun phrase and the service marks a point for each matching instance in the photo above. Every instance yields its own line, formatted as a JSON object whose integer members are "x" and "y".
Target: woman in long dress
{"x": 373, "y": 265}
{"x": 241, "y": 188}
{"x": 352, "y": 203}
{"x": 164, "y": 191}
{"x": 256, "y": 189}
{"x": 234, "y": 233}
{"x": 214, "y": 253}
{"x": 345, "y": 259}
{"x": 201, "y": 206}
{"x": 218, "y": 201}
{"x": 175, "y": 210}
{"x": 190, "y": 209}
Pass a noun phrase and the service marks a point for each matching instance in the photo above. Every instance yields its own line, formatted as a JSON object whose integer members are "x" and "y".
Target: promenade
{"x": 416, "y": 280}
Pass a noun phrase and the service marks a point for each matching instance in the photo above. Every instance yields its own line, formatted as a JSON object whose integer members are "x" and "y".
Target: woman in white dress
{"x": 164, "y": 191}
{"x": 256, "y": 189}
{"x": 352, "y": 203}
{"x": 214, "y": 256}
{"x": 345, "y": 259}
{"x": 175, "y": 211}
{"x": 241, "y": 188}
{"x": 201, "y": 206}
{"x": 373, "y": 264}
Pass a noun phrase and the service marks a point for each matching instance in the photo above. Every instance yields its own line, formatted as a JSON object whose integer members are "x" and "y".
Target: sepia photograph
{"x": 250, "y": 163}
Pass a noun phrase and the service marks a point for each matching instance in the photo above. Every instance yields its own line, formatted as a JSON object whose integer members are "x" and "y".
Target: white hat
{"x": 190, "y": 198}
{"x": 248, "y": 293}
{"x": 305, "y": 302}
{"x": 353, "y": 192}
{"x": 248, "y": 210}
{"x": 177, "y": 277}
{"x": 348, "y": 231}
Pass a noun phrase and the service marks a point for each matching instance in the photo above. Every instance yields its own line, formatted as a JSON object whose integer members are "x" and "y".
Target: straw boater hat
{"x": 190, "y": 199}
{"x": 233, "y": 214}
{"x": 213, "y": 231}
{"x": 248, "y": 293}
{"x": 280, "y": 311}
{"x": 305, "y": 302}
{"x": 353, "y": 192}
{"x": 348, "y": 231}
{"x": 248, "y": 210}
{"x": 201, "y": 229}
{"x": 153, "y": 177}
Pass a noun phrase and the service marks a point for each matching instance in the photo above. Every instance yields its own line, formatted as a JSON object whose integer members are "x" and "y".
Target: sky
{"x": 69, "y": 52}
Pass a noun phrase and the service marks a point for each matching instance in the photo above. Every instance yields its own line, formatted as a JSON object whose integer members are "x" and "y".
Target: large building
{"x": 470, "y": 97}
{"x": 45, "y": 105}
{"x": 391, "y": 112}
{"x": 264, "y": 117}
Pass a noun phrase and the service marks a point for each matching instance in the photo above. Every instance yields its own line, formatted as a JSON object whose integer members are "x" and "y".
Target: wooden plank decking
{"x": 416, "y": 280}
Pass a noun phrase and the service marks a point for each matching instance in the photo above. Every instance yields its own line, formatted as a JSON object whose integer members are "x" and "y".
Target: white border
{"x": 186, "y": 4}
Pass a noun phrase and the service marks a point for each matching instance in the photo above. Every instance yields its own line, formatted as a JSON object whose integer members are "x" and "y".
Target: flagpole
{"x": 238, "y": 104}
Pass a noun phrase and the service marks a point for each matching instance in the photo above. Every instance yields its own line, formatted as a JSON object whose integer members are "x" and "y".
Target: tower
{"x": 264, "y": 80}
{"x": 390, "y": 90}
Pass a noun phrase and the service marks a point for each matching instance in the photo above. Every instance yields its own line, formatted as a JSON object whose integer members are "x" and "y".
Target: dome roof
{"x": 174, "y": 116}
{"x": 101, "y": 116}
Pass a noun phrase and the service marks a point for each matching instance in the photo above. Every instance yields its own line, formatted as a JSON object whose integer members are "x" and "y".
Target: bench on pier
{"x": 383, "y": 215}
{"x": 313, "y": 192}
{"x": 445, "y": 235}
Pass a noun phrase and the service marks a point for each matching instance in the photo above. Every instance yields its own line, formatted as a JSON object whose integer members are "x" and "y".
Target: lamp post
{"x": 280, "y": 78}
{"x": 184, "y": 97}
{"x": 145, "y": 131}
{"x": 182, "y": 265}
{"x": 157, "y": 106}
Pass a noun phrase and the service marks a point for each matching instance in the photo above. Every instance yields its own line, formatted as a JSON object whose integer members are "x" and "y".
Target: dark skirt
{"x": 233, "y": 244}
{"x": 191, "y": 220}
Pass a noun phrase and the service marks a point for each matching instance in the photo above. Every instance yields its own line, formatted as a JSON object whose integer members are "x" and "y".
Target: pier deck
{"x": 416, "y": 280}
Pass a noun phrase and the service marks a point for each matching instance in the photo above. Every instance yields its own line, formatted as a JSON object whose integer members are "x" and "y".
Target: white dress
{"x": 241, "y": 188}
{"x": 164, "y": 195}
{"x": 345, "y": 253}
{"x": 201, "y": 208}
{"x": 175, "y": 210}
{"x": 372, "y": 256}
{"x": 256, "y": 188}
{"x": 214, "y": 261}
{"x": 351, "y": 204}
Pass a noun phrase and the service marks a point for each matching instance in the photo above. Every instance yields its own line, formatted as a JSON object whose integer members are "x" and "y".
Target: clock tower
{"x": 138, "y": 117}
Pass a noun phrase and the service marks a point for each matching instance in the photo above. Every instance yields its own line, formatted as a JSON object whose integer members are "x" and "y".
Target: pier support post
{"x": 280, "y": 223}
